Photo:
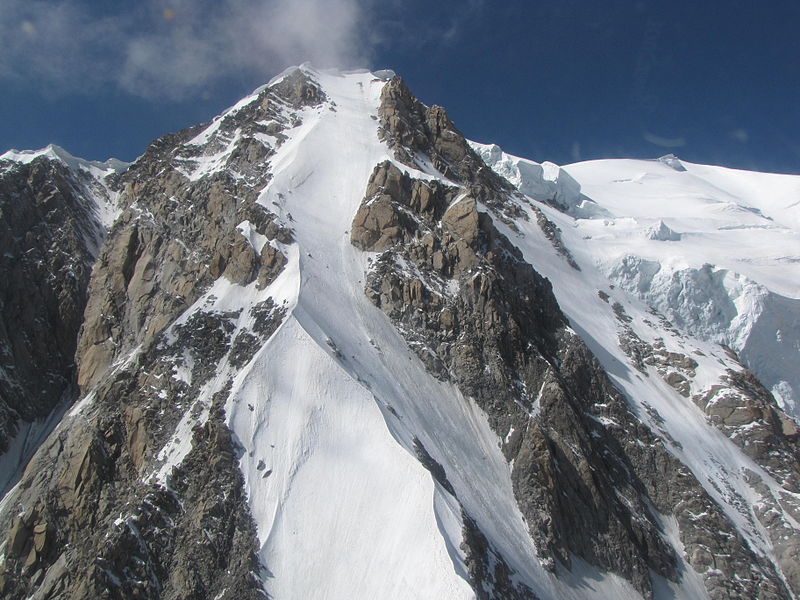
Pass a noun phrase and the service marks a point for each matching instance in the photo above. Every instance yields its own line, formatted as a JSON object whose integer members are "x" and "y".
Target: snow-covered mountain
{"x": 734, "y": 276}
{"x": 331, "y": 349}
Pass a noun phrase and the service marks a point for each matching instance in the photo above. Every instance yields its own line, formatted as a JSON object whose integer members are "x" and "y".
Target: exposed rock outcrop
{"x": 178, "y": 233}
{"x": 100, "y": 532}
{"x": 49, "y": 233}
{"x": 413, "y": 130}
{"x": 744, "y": 410}
{"x": 145, "y": 489}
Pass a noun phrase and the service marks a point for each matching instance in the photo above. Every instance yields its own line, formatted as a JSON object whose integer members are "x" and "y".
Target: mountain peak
{"x": 332, "y": 348}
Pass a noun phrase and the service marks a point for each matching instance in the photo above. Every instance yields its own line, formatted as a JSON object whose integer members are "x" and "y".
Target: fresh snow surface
{"x": 748, "y": 223}
{"x": 546, "y": 182}
{"x": 343, "y": 510}
{"x": 715, "y": 250}
{"x": 328, "y": 411}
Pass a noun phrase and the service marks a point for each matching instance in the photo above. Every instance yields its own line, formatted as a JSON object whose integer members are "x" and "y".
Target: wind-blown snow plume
{"x": 173, "y": 49}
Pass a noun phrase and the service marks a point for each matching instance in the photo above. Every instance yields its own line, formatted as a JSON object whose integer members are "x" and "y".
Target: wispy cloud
{"x": 173, "y": 49}
{"x": 469, "y": 11}
{"x": 414, "y": 25}
{"x": 663, "y": 142}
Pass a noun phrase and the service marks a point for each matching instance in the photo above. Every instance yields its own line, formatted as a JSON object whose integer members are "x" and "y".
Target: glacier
{"x": 737, "y": 260}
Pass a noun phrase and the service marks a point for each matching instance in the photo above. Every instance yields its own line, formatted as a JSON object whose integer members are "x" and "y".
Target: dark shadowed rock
{"x": 49, "y": 233}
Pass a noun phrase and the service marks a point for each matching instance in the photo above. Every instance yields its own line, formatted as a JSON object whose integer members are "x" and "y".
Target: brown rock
{"x": 375, "y": 226}
{"x": 48, "y": 235}
{"x": 137, "y": 436}
{"x": 272, "y": 263}
{"x": 447, "y": 319}
{"x": 18, "y": 537}
{"x": 679, "y": 382}
{"x": 242, "y": 263}
{"x": 461, "y": 219}
{"x": 41, "y": 538}
{"x": 30, "y": 560}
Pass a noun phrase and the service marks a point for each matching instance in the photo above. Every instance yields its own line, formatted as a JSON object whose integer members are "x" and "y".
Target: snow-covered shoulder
{"x": 715, "y": 250}
{"x": 546, "y": 182}
{"x": 54, "y": 152}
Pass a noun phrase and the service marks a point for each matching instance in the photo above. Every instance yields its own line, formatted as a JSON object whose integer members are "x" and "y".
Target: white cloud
{"x": 51, "y": 43}
{"x": 401, "y": 24}
{"x": 663, "y": 142}
{"x": 740, "y": 135}
{"x": 173, "y": 49}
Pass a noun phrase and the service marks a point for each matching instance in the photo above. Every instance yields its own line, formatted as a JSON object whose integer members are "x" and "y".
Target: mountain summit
{"x": 329, "y": 348}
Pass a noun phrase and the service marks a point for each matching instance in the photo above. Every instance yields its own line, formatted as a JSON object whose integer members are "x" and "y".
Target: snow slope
{"x": 329, "y": 411}
{"x": 329, "y": 414}
{"x": 737, "y": 262}
{"x": 743, "y": 223}
{"x": 713, "y": 458}
{"x": 350, "y": 407}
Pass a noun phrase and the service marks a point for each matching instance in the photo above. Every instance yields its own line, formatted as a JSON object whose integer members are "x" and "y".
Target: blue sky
{"x": 713, "y": 82}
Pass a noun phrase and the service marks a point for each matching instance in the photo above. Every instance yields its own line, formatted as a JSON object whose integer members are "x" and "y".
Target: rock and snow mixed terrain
{"x": 330, "y": 349}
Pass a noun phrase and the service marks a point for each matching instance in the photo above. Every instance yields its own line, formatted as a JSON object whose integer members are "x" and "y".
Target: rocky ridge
{"x": 141, "y": 373}
{"x": 449, "y": 279}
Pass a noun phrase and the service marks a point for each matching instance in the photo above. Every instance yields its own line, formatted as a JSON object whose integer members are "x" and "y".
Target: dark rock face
{"x": 590, "y": 479}
{"x": 409, "y": 127}
{"x": 194, "y": 540}
{"x": 500, "y": 347}
{"x": 489, "y": 574}
{"x": 745, "y": 411}
{"x": 178, "y": 235}
{"x": 49, "y": 233}
{"x": 748, "y": 414}
{"x": 156, "y": 552}
{"x": 390, "y": 215}
{"x": 153, "y": 269}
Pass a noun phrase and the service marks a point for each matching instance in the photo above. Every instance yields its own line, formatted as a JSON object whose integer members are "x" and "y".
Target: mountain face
{"x": 330, "y": 348}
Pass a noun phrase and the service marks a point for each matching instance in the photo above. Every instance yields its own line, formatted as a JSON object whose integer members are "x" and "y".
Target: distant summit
{"x": 673, "y": 162}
